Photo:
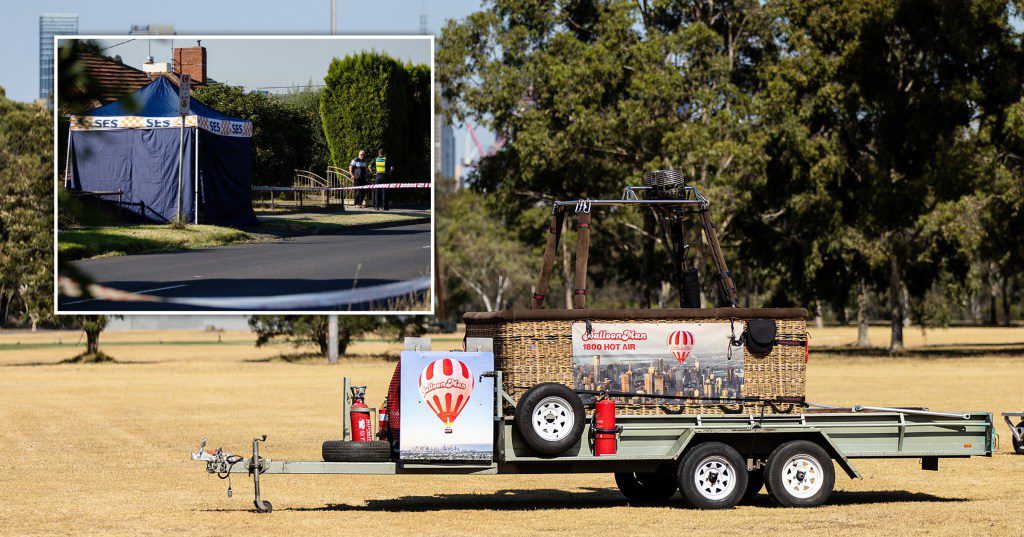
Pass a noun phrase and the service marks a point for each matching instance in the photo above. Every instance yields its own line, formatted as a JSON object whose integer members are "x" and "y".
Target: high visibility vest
{"x": 381, "y": 165}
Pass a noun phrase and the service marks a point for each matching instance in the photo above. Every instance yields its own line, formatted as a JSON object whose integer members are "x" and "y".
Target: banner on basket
{"x": 680, "y": 359}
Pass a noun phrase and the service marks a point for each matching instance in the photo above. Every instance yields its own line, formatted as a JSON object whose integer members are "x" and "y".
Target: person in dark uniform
{"x": 381, "y": 169}
{"x": 359, "y": 169}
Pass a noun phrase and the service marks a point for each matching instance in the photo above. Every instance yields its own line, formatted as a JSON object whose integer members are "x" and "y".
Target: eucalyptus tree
{"x": 591, "y": 93}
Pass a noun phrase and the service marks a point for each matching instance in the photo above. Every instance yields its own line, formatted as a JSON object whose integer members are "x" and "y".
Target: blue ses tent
{"x": 132, "y": 146}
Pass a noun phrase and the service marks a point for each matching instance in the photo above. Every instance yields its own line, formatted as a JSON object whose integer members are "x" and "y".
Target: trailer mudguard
{"x": 694, "y": 436}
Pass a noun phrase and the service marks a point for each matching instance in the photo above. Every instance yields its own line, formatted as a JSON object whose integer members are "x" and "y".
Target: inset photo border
{"x": 244, "y": 174}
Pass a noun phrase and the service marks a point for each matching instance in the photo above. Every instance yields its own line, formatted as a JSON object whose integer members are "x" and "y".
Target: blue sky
{"x": 19, "y": 41}
{"x": 268, "y": 63}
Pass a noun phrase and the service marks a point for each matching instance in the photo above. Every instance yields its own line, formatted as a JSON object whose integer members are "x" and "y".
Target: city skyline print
{"x": 672, "y": 359}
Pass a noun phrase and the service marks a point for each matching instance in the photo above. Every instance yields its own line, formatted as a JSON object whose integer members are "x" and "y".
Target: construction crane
{"x": 480, "y": 153}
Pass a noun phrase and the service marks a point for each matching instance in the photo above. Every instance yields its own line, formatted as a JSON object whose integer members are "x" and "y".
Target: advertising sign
{"x": 447, "y": 409}
{"x": 688, "y": 359}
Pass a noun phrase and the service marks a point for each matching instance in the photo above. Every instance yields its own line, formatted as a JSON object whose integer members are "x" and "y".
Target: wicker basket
{"x": 534, "y": 346}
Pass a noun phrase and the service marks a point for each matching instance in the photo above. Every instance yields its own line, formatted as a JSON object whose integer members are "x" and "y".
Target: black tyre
{"x": 639, "y": 487}
{"x": 800, "y": 474}
{"x": 267, "y": 507}
{"x": 755, "y": 482}
{"x": 1018, "y": 445}
{"x": 712, "y": 475}
{"x": 549, "y": 418}
{"x": 344, "y": 451}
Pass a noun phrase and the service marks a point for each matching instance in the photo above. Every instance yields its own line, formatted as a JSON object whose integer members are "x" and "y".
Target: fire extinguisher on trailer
{"x": 360, "y": 415}
{"x": 605, "y": 431}
{"x": 382, "y": 421}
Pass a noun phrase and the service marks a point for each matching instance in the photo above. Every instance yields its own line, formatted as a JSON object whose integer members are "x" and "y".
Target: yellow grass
{"x": 91, "y": 449}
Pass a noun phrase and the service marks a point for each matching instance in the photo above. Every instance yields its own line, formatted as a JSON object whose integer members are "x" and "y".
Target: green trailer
{"x": 714, "y": 461}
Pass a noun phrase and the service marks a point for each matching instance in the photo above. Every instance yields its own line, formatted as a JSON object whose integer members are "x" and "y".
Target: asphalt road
{"x": 307, "y": 264}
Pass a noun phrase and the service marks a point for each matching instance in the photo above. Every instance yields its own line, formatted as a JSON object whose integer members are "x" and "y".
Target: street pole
{"x": 332, "y": 338}
{"x": 181, "y": 152}
{"x": 334, "y": 17}
{"x": 195, "y": 205}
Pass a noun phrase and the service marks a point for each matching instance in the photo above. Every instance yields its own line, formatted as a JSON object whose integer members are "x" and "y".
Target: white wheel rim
{"x": 802, "y": 476}
{"x": 715, "y": 477}
{"x": 553, "y": 418}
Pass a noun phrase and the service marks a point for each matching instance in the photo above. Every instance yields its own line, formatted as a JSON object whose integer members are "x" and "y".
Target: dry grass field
{"x": 103, "y": 448}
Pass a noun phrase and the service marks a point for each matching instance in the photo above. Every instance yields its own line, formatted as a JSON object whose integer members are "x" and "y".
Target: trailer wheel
{"x": 267, "y": 507}
{"x": 713, "y": 475}
{"x": 755, "y": 482}
{"x": 640, "y": 487}
{"x": 1018, "y": 445}
{"x": 345, "y": 451}
{"x": 800, "y": 474}
{"x": 550, "y": 418}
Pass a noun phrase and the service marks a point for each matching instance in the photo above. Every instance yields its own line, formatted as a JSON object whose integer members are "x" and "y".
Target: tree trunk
{"x": 665, "y": 294}
{"x": 896, "y": 311}
{"x": 647, "y": 261}
{"x": 566, "y": 264}
{"x": 1006, "y": 291}
{"x": 862, "y": 316}
{"x": 344, "y": 340}
{"x": 905, "y": 295}
{"x": 92, "y": 341}
{"x": 993, "y": 291}
{"x": 819, "y": 319}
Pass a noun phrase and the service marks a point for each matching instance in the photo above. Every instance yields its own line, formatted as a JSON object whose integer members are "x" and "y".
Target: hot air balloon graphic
{"x": 445, "y": 386}
{"x": 680, "y": 343}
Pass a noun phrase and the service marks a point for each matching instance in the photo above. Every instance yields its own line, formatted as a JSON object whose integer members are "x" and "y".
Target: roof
{"x": 117, "y": 80}
{"x": 158, "y": 98}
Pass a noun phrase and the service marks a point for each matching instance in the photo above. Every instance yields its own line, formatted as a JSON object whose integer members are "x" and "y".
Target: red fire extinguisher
{"x": 360, "y": 415}
{"x": 605, "y": 440}
{"x": 382, "y": 421}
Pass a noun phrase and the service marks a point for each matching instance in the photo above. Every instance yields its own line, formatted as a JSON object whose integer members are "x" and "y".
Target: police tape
{"x": 324, "y": 299}
{"x": 265, "y": 188}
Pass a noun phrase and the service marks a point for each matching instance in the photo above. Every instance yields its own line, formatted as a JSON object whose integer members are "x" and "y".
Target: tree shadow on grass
{"x": 318, "y": 359}
{"x": 866, "y": 497}
{"x": 929, "y": 351}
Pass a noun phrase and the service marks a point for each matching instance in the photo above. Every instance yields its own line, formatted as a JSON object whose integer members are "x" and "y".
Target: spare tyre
{"x": 345, "y": 451}
{"x": 549, "y": 418}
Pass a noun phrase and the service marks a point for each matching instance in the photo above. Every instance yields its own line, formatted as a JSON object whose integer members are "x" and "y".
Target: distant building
{"x": 444, "y": 145}
{"x": 52, "y": 24}
{"x": 179, "y": 322}
{"x": 152, "y": 29}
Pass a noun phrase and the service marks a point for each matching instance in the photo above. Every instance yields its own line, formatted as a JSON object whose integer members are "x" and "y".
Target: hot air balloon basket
{"x": 530, "y": 352}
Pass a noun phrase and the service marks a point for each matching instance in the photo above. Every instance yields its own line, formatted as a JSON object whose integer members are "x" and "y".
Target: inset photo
{"x": 244, "y": 174}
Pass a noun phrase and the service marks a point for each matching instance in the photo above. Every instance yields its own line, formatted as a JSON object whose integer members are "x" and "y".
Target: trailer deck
{"x": 648, "y": 443}
{"x": 652, "y": 440}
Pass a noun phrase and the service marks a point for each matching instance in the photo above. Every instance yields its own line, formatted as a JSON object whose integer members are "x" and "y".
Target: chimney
{"x": 191, "y": 61}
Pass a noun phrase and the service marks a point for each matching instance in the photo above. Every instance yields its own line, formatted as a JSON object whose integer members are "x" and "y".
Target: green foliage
{"x": 282, "y": 134}
{"x": 305, "y": 105}
{"x": 841, "y": 143}
{"x": 310, "y": 329}
{"x": 26, "y": 213}
{"x": 93, "y": 326}
{"x": 371, "y": 102}
{"x": 480, "y": 255}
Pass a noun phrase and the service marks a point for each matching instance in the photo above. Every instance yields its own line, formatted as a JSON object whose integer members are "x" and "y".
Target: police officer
{"x": 358, "y": 168}
{"x": 381, "y": 169}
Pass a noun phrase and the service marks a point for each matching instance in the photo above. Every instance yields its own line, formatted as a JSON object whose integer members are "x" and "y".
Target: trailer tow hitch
{"x": 220, "y": 463}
